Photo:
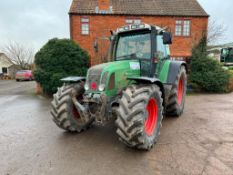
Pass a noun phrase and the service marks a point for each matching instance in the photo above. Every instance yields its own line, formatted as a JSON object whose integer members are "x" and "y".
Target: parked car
{"x": 24, "y": 75}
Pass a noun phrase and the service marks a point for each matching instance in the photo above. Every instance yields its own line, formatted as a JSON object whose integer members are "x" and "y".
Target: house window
{"x": 186, "y": 30}
{"x": 137, "y": 21}
{"x": 133, "y": 21}
{"x": 4, "y": 70}
{"x": 178, "y": 28}
{"x": 129, "y": 21}
{"x": 182, "y": 28}
{"x": 85, "y": 26}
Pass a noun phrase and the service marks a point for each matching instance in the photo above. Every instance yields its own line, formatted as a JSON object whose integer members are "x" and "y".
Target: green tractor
{"x": 139, "y": 87}
{"x": 227, "y": 56}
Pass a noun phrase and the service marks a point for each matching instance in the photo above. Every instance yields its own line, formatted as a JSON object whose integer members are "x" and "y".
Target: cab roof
{"x": 136, "y": 27}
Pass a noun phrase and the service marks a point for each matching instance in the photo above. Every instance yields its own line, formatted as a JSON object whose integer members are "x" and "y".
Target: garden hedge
{"x": 206, "y": 72}
{"x": 57, "y": 59}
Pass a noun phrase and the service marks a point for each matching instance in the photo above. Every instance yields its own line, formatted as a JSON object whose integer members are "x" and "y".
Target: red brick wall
{"x": 100, "y": 26}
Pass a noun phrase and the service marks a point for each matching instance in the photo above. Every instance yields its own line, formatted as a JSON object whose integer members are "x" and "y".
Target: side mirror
{"x": 167, "y": 38}
{"x": 96, "y": 46}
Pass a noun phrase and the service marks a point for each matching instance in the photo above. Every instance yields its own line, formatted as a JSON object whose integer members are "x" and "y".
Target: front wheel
{"x": 64, "y": 113}
{"x": 139, "y": 116}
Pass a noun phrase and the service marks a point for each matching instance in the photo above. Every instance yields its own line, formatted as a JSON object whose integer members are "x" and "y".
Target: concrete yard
{"x": 199, "y": 142}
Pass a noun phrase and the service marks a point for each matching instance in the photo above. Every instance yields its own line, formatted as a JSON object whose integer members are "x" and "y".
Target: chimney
{"x": 104, "y": 4}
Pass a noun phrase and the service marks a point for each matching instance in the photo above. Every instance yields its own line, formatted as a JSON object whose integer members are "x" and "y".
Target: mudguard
{"x": 149, "y": 80}
{"x": 174, "y": 70}
{"x": 73, "y": 79}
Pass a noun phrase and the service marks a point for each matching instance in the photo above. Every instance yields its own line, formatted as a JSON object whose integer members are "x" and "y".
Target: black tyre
{"x": 64, "y": 113}
{"x": 139, "y": 116}
{"x": 176, "y": 100}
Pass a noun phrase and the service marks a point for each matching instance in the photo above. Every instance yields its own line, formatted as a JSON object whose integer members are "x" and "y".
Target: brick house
{"x": 93, "y": 19}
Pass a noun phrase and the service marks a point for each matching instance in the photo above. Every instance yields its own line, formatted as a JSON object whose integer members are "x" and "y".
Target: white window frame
{"x": 133, "y": 21}
{"x": 85, "y": 26}
{"x": 178, "y": 30}
{"x": 183, "y": 27}
{"x": 186, "y": 27}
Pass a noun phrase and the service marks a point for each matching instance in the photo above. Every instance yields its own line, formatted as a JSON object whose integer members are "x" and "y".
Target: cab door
{"x": 161, "y": 55}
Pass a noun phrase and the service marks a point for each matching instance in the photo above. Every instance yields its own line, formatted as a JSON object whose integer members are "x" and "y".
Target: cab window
{"x": 162, "y": 49}
{"x": 135, "y": 44}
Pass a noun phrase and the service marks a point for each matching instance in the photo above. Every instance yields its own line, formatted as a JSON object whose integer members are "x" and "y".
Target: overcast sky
{"x": 33, "y": 22}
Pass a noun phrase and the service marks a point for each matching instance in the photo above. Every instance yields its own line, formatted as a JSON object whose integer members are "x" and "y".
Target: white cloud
{"x": 33, "y": 22}
{"x": 222, "y": 13}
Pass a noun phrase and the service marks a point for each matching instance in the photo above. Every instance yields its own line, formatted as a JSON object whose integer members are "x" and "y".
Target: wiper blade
{"x": 133, "y": 55}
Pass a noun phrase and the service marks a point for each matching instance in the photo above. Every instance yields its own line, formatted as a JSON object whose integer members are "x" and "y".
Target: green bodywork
{"x": 163, "y": 73}
{"x": 138, "y": 54}
{"x": 227, "y": 55}
{"x": 123, "y": 70}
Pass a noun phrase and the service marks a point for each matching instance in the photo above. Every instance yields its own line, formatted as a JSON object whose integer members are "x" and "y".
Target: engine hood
{"x": 116, "y": 72}
{"x": 126, "y": 66}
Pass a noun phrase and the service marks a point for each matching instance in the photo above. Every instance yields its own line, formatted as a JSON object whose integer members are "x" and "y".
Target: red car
{"x": 24, "y": 75}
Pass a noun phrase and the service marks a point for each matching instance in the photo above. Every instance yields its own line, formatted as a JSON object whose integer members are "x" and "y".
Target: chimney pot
{"x": 104, "y": 4}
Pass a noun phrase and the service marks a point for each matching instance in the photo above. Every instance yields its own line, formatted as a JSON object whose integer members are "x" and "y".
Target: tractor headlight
{"x": 86, "y": 86}
{"x": 101, "y": 87}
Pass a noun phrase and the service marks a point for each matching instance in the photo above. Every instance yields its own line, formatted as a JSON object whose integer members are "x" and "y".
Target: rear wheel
{"x": 139, "y": 116}
{"x": 64, "y": 113}
{"x": 176, "y": 100}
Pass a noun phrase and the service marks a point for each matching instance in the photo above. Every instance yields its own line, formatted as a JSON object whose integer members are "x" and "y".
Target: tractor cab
{"x": 227, "y": 56}
{"x": 145, "y": 43}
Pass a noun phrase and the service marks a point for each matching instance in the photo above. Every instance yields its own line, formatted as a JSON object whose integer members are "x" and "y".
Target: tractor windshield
{"x": 225, "y": 52}
{"x": 137, "y": 45}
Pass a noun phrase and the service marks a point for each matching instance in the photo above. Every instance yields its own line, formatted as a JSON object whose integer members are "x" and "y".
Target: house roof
{"x": 4, "y": 59}
{"x": 189, "y": 8}
{"x": 213, "y": 47}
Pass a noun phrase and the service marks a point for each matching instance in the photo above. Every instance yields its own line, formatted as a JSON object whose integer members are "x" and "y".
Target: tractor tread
{"x": 132, "y": 113}
{"x": 61, "y": 109}
{"x": 172, "y": 107}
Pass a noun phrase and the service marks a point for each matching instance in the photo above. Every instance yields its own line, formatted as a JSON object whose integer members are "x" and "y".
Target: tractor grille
{"x": 94, "y": 76}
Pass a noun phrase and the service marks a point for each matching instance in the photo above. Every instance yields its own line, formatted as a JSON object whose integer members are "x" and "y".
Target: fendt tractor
{"x": 136, "y": 88}
{"x": 227, "y": 56}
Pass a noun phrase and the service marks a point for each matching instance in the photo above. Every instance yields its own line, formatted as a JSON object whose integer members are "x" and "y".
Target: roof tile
{"x": 143, "y": 7}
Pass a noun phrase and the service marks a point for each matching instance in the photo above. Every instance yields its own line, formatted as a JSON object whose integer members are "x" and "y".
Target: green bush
{"x": 57, "y": 59}
{"x": 207, "y": 72}
{"x": 231, "y": 73}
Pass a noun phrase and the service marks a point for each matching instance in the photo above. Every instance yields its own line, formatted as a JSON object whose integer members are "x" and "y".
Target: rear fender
{"x": 174, "y": 70}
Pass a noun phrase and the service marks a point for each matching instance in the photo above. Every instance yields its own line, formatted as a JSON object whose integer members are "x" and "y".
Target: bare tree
{"x": 19, "y": 54}
{"x": 216, "y": 32}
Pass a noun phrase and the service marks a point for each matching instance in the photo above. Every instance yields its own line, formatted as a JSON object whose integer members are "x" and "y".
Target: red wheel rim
{"x": 75, "y": 112}
{"x": 180, "y": 91}
{"x": 152, "y": 110}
